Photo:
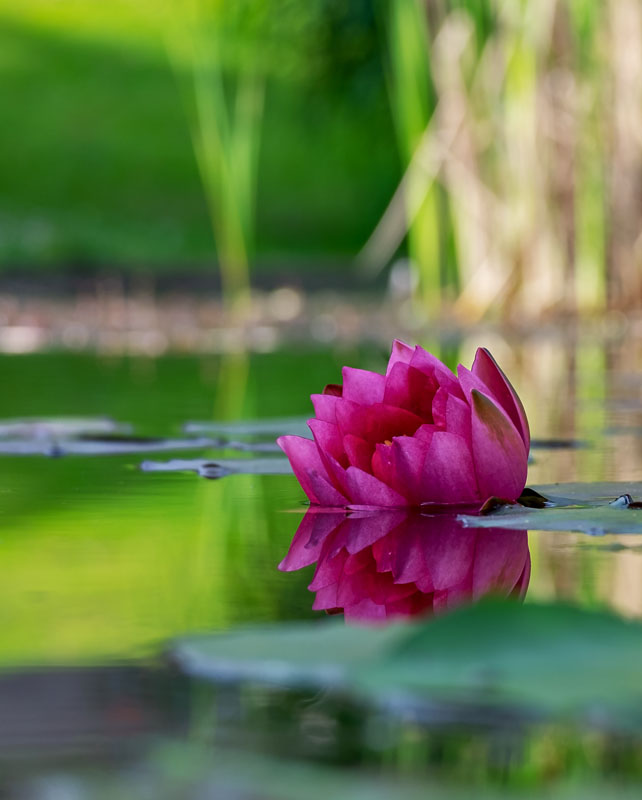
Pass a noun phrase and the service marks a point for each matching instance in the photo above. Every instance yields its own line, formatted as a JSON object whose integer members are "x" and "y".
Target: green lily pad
{"x": 548, "y": 660}
{"x": 591, "y": 493}
{"x": 591, "y": 508}
{"x": 593, "y": 521}
{"x": 214, "y": 468}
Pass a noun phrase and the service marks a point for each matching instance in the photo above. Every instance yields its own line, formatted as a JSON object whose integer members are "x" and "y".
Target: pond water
{"x": 105, "y": 564}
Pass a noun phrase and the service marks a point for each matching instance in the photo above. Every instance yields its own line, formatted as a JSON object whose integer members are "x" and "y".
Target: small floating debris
{"x": 623, "y": 501}
{"x": 559, "y": 444}
{"x": 221, "y": 468}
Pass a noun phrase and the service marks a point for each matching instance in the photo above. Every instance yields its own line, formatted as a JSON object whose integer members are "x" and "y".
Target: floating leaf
{"x": 590, "y": 493}
{"x": 97, "y": 446}
{"x": 595, "y": 521}
{"x": 539, "y": 660}
{"x": 42, "y": 427}
{"x": 223, "y": 467}
{"x": 591, "y": 508}
{"x": 258, "y": 427}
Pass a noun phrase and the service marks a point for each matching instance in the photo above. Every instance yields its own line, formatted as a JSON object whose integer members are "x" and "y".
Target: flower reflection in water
{"x": 377, "y": 566}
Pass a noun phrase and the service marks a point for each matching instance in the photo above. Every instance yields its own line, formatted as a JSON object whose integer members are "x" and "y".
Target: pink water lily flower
{"x": 418, "y": 434}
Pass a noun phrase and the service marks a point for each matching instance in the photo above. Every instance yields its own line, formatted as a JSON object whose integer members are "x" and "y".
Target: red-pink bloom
{"x": 400, "y": 564}
{"x": 417, "y": 434}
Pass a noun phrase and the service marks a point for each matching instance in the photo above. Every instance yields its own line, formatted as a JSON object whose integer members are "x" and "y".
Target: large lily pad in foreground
{"x": 536, "y": 660}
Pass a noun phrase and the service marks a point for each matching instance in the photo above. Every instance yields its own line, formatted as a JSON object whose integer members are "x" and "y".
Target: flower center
{"x": 388, "y": 442}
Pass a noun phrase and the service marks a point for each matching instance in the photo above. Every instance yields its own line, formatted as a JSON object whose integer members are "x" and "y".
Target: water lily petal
{"x": 365, "y": 611}
{"x": 408, "y": 456}
{"x": 358, "y": 451}
{"x": 409, "y": 563}
{"x": 311, "y": 534}
{"x": 362, "y": 386}
{"x": 498, "y": 450}
{"x": 451, "y": 413}
{"x": 375, "y": 423}
{"x": 449, "y": 471}
{"x": 303, "y": 455}
{"x": 328, "y": 439}
{"x": 383, "y": 591}
{"x": 486, "y": 368}
{"x": 328, "y": 572}
{"x": 366, "y": 490}
{"x": 401, "y": 352}
{"x": 431, "y": 365}
{"x": 458, "y": 418}
{"x": 325, "y": 491}
{"x": 366, "y": 530}
{"x": 336, "y": 474}
{"x": 352, "y": 587}
{"x": 326, "y": 597}
{"x": 499, "y": 561}
{"x": 449, "y": 557}
{"x": 325, "y": 406}
{"x": 425, "y": 433}
{"x": 521, "y": 586}
{"x": 410, "y": 388}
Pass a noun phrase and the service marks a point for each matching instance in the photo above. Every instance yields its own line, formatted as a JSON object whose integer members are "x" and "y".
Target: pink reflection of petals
{"x": 309, "y": 539}
{"x": 387, "y": 564}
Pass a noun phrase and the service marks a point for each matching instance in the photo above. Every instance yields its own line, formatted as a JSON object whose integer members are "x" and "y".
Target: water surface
{"x": 105, "y": 564}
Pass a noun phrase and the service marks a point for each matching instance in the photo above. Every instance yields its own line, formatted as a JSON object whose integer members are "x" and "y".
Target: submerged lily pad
{"x": 548, "y": 660}
{"x": 220, "y": 468}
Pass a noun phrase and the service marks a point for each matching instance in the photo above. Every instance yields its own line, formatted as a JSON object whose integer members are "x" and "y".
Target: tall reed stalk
{"x": 413, "y": 101}
{"x": 520, "y": 130}
{"x": 224, "y": 100}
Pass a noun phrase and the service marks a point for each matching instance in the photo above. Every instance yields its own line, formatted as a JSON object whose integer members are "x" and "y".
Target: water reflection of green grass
{"x": 116, "y": 573}
{"x": 102, "y": 560}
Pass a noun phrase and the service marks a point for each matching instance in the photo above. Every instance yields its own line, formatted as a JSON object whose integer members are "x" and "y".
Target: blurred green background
{"x": 96, "y": 157}
{"x": 497, "y": 145}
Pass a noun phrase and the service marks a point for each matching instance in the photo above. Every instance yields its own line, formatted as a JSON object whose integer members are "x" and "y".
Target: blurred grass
{"x": 96, "y": 160}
